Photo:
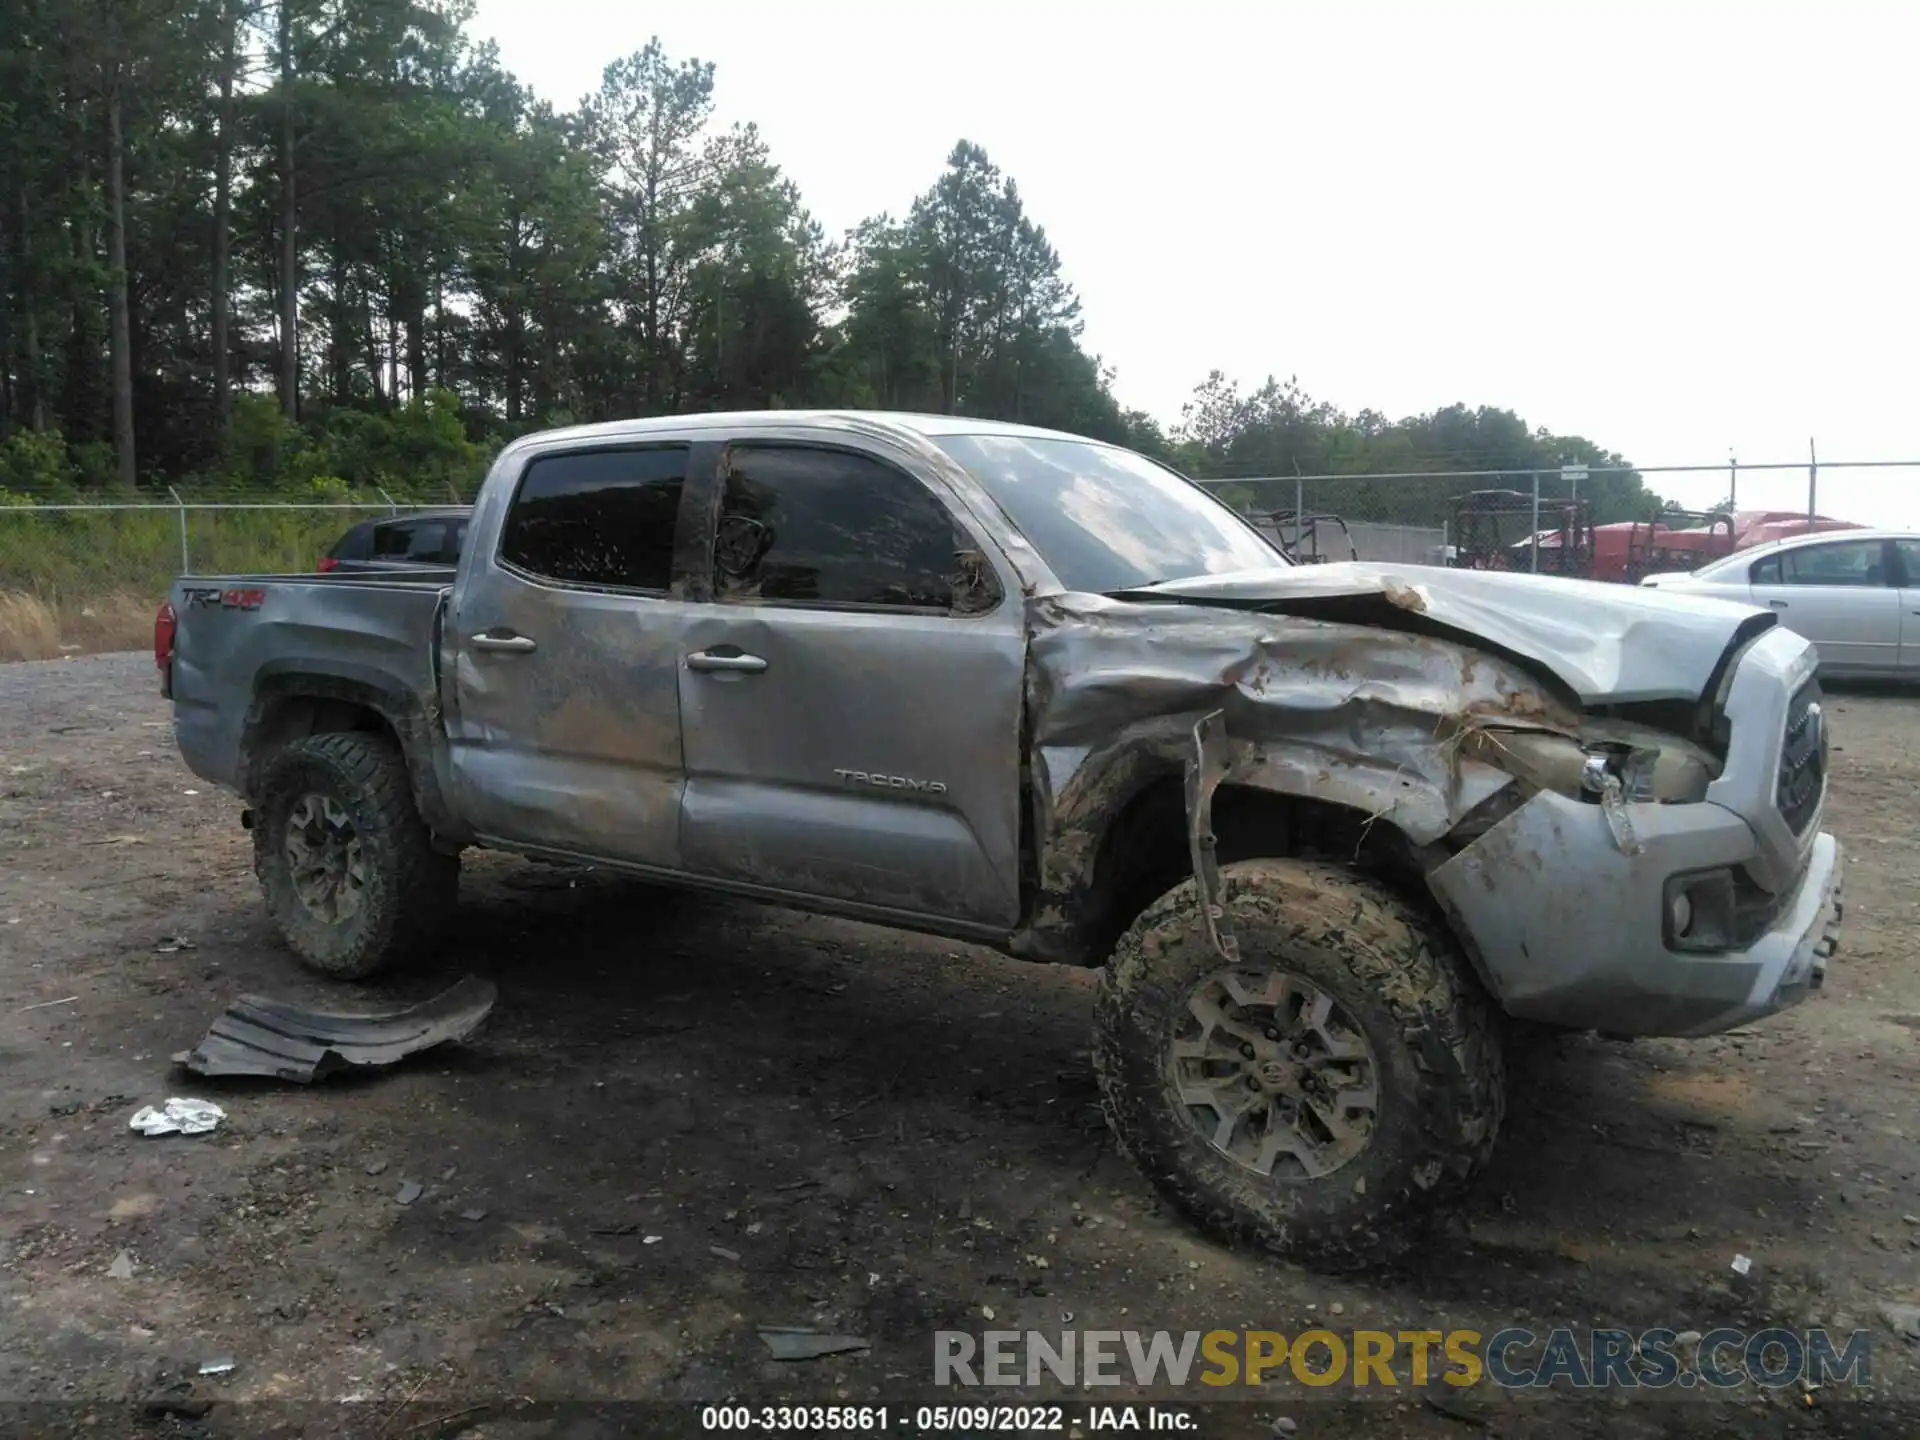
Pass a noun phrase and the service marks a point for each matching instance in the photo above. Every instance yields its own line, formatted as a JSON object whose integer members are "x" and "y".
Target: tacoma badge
{"x": 892, "y": 782}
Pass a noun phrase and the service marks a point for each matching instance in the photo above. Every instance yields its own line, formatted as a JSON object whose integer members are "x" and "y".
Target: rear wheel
{"x": 1319, "y": 1098}
{"x": 348, "y": 867}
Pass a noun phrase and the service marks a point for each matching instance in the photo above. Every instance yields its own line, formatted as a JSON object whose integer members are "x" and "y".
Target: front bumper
{"x": 1566, "y": 928}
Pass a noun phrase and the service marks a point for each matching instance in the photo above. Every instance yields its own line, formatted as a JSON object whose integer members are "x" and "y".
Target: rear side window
{"x": 422, "y": 541}
{"x": 1909, "y": 560}
{"x": 599, "y": 517}
{"x": 830, "y": 527}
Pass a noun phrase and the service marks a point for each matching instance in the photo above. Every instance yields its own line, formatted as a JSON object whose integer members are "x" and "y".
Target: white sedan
{"x": 1854, "y": 593}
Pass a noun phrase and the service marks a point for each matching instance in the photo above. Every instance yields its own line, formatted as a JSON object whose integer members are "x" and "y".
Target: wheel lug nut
{"x": 1252, "y": 1083}
{"x": 1247, "y": 1050}
{"x": 1272, "y": 1034}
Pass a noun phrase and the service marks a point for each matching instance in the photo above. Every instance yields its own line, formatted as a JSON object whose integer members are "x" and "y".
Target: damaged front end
{"x": 1600, "y": 872}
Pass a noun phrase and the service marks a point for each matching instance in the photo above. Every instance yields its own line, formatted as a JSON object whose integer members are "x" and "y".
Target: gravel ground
{"x": 824, "y": 1124}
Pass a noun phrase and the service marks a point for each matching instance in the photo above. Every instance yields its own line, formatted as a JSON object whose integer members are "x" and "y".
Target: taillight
{"x": 328, "y": 564}
{"x": 165, "y": 623}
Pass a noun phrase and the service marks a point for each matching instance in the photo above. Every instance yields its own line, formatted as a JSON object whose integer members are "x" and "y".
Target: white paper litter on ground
{"x": 178, "y": 1117}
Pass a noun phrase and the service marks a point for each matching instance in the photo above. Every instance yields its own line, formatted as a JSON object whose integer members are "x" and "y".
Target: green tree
{"x": 645, "y": 125}
{"x": 290, "y": 242}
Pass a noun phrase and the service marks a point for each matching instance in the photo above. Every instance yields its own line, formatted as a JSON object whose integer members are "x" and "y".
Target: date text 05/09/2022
{"x": 946, "y": 1419}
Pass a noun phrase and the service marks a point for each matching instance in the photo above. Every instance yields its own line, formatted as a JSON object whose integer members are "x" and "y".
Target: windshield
{"x": 1106, "y": 519}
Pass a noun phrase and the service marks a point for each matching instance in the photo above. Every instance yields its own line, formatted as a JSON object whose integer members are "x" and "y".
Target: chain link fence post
{"x": 186, "y": 552}
{"x": 1533, "y": 549}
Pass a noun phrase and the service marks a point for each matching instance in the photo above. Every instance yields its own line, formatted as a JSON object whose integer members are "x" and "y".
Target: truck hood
{"x": 1609, "y": 644}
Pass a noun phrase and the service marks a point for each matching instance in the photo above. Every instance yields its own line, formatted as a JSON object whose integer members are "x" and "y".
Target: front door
{"x": 852, "y": 691}
{"x": 1840, "y": 594}
{"x": 565, "y": 651}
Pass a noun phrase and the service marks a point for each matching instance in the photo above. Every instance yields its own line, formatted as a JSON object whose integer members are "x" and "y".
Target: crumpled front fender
{"x": 1365, "y": 718}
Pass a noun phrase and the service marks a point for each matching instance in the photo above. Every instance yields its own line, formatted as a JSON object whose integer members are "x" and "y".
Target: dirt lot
{"x": 892, "y": 1135}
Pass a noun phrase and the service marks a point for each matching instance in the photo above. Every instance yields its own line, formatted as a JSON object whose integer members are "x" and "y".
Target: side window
{"x": 456, "y": 541}
{"x": 1765, "y": 572}
{"x": 598, "y": 517}
{"x": 1847, "y": 562}
{"x": 831, "y": 527}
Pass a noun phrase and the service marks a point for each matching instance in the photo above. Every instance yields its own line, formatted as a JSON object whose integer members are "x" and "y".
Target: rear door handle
{"x": 1777, "y": 604}
{"x": 740, "y": 664}
{"x": 505, "y": 644}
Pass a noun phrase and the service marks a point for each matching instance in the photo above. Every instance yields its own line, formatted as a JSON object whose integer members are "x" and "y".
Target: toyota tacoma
{"x": 1327, "y": 829}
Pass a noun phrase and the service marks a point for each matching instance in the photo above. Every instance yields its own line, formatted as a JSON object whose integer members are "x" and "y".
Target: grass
{"x": 35, "y": 629}
{"x": 86, "y": 581}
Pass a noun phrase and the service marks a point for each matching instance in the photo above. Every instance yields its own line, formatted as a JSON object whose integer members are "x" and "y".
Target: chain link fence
{"x": 1571, "y": 519}
{"x": 82, "y": 577}
{"x": 77, "y": 575}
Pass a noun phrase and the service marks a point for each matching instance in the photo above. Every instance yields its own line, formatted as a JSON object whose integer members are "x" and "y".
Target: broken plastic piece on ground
{"x": 791, "y": 1343}
{"x": 46, "y": 1004}
{"x": 173, "y": 945}
{"x": 409, "y": 1191}
{"x": 178, "y": 1116}
{"x": 216, "y": 1365}
{"x": 122, "y": 1267}
{"x": 1742, "y": 1264}
{"x": 262, "y": 1036}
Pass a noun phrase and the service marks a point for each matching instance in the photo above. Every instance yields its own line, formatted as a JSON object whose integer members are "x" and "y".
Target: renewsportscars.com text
{"x": 1512, "y": 1358}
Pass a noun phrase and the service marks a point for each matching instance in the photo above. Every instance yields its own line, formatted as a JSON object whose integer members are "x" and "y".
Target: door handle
{"x": 739, "y": 664}
{"x": 505, "y": 644}
{"x": 1777, "y": 604}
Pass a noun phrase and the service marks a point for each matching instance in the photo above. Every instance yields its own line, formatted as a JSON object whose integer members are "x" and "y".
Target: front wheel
{"x": 1319, "y": 1098}
{"x": 347, "y": 865}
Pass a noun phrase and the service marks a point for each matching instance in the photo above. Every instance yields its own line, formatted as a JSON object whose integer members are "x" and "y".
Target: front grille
{"x": 1803, "y": 760}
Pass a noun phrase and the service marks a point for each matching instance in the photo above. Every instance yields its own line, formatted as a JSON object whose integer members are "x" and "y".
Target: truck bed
{"x": 236, "y": 632}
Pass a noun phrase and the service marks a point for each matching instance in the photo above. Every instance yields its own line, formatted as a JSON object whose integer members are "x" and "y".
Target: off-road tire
{"x": 410, "y": 888}
{"x": 1403, "y": 983}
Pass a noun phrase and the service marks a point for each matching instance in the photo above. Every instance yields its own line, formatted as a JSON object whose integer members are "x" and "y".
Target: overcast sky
{"x": 1681, "y": 229}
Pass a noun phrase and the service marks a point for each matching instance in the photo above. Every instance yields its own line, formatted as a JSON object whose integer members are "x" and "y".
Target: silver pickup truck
{"x": 1327, "y": 828}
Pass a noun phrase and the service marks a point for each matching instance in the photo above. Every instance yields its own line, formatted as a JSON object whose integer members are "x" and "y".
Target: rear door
{"x": 1842, "y": 595}
{"x": 565, "y": 648}
{"x": 851, "y": 688}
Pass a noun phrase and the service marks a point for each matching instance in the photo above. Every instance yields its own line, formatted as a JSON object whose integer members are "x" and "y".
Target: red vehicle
{"x": 1628, "y": 550}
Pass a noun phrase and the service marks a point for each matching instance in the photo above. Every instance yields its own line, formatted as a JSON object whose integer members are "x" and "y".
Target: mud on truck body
{"x": 1327, "y": 828}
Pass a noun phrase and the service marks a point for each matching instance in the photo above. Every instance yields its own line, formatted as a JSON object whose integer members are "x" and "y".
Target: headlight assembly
{"x": 1651, "y": 768}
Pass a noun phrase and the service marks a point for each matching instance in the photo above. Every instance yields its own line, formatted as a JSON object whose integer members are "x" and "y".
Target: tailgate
{"x": 236, "y": 633}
